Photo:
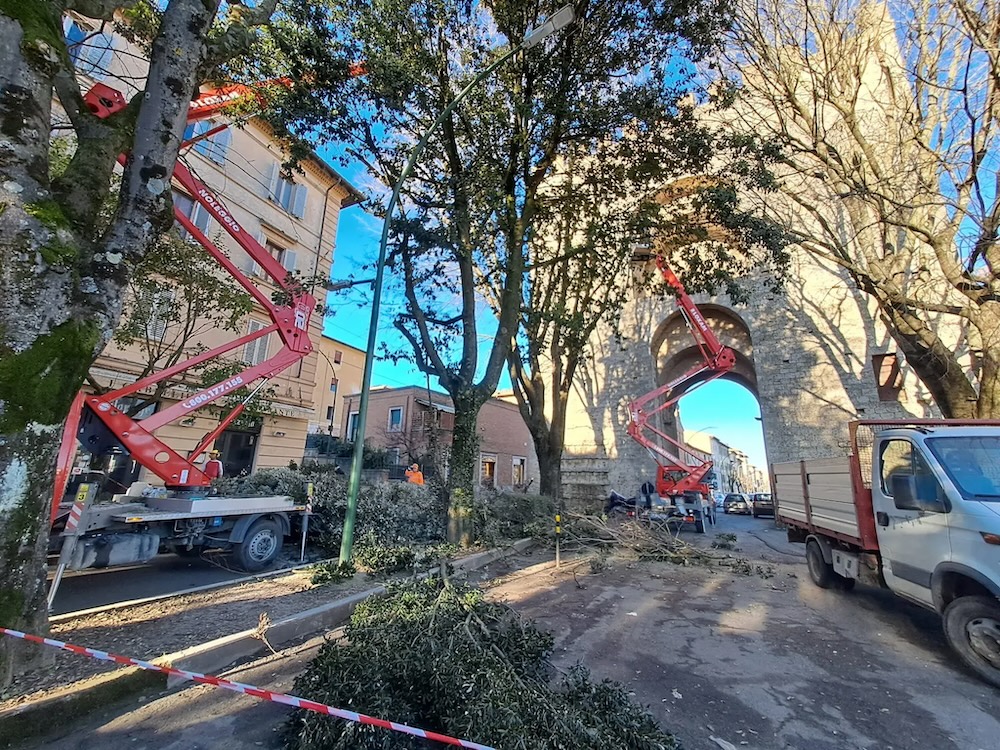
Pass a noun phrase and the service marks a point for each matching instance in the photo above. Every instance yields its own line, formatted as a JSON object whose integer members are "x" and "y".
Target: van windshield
{"x": 972, "y": 463}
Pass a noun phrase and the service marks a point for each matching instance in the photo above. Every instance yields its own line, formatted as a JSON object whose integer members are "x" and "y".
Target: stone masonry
{"x": 806, "y": 353}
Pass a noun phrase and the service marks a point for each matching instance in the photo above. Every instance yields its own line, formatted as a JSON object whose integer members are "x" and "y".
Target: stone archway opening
{"x": 729, "y": 410}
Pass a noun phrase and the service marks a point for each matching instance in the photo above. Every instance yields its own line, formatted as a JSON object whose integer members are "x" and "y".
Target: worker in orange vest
{"x": 414, "y": 475}
{"x": 213, "y": 466}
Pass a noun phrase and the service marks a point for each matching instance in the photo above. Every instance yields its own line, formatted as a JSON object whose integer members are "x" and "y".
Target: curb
{"x": 35, "y": 719}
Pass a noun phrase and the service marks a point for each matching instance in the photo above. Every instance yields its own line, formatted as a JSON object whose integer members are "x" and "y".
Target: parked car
{"x": 736, "y": 502}
{"x": 761, "y": 504}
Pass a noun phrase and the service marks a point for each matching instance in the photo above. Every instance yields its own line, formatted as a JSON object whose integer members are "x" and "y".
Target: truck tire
{"x": 699, "y": 523}
{"x": 260, "y": 547}
{"x": 972, "y": 627}
{"x": 820, "y": 570}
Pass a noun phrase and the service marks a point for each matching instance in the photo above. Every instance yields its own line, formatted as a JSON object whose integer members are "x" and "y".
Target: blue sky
{"x": 722, "y": 408}
{"x": 728, "y": 411}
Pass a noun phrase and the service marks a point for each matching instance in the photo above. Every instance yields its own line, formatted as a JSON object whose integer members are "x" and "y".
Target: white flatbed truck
{"x": 915, "y": 508}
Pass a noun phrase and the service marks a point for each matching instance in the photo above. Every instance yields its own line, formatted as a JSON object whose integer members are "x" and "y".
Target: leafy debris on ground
{"x": 655, "y": 541}
{"x": 438, "y": 655}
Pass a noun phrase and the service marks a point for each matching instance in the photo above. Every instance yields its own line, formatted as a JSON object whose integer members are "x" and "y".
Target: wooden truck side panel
{"x": 818, "y": 495}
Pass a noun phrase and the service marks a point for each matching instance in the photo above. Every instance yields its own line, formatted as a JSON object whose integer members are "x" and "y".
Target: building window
{"x": 333, "y": 385}
{"x": 255, "y": 352}
{"x": 216, "y": 146}
{"x": 487, "y": 470}
{"x": 352, "y": 426}
{"x": 395, "y": 419}
{"x": 338, "y": 357}
{"x": 197, "y": 213}
{"x": 329, "y": 413}
{"x": 157, "y": 307}
{"x": 286, "y": 194}
{"x": 91, "y": 52}
{"x": 287, "y": 258}
{"x": 888, "y": 377}
{"x": 128, "y": 403}
{"x": 519, "y": 470}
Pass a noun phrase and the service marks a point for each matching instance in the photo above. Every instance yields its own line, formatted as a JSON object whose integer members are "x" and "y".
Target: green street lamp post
{"x": 559, "y": 20}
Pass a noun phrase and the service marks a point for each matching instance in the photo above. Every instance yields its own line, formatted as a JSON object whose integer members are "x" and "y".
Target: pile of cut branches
{"x": 438, "y": 655}
{"x": 649, "y": 541}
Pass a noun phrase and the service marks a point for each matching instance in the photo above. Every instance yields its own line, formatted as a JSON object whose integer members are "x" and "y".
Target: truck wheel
{"x": 260, "y": 547}
{"x": 972, "y": 627}
{"x": 699, "y": 524}
{"x": 820, "y": 570}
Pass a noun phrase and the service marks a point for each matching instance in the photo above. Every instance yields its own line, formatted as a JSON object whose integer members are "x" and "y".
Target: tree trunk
{"x": 932, "y": 360}
{"x": 60, "y": 290}
{"x": 463, "y": 466}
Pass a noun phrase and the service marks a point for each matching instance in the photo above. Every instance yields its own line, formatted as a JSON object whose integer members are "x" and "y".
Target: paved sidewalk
{"x": 198, "y": 717}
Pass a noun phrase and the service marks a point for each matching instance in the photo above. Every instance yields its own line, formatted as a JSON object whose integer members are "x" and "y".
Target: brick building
{"x": 405, "y": 421}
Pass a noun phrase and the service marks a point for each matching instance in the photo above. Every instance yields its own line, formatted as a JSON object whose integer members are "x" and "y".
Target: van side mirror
{"x": 906, "y": 497}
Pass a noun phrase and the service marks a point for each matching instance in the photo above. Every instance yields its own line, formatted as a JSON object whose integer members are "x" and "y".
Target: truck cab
{"x": 936, "y": 501}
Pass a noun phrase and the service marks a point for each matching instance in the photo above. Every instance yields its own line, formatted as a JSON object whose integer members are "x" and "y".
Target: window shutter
{"x": 255, "y": 352}
{"x": 159, "y": 305}
{"x": 202, "y": 218}
{"x": 254, "y": 269}
{"x": 288, "y": 260}
{"x": 271, "y": 182}
{"x": 299, "y": 201}
{"x": 220, "y": 146}
{"x": 204, "y": 146}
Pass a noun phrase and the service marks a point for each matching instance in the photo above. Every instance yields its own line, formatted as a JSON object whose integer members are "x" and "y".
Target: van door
{"x": 911, "y": 519}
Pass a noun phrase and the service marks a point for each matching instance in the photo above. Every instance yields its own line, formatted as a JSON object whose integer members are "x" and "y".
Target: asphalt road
{"x": 164, "y": 574}
{"x": 760, "y": 662}
{"x": 767, "y": 662}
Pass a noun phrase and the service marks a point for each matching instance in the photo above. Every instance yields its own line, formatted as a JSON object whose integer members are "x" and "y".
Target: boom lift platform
{"x": 179, "y": 516}
{"x": 676, "y": 476}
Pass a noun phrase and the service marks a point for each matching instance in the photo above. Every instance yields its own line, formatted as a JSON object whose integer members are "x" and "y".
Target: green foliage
{"x": 725, "y": 541}
{"x": 379, "y": 559}
{"x": 510, "y": 515}
{"x": 443, "y": 658}
{"x": 395, "y": 513}
{"x": 392, "y": 511}
{"x": 332, "y": 572}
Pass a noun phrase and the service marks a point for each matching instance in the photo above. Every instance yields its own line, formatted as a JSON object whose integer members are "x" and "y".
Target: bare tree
{"x": 887, "y": 115}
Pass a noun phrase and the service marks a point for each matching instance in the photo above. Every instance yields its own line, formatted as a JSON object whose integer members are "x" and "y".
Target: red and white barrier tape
{"x": 238, "y": 687}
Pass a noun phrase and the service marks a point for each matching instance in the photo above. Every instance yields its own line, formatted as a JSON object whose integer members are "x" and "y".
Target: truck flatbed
{"x": 170, "y": 508}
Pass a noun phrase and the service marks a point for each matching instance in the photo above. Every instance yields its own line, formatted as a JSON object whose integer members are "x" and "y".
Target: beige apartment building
{"x": 403, "y": 420}
{"x": 339, "y": 370}
{"x": 295, "y": 217}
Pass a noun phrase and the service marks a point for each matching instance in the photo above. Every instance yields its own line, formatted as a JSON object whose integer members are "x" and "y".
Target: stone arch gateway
{"x": 810, "y": 353}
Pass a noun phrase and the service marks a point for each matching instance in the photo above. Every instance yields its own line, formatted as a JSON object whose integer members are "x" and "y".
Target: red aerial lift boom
{"x": 99, "y": 424}
{"x": 674, "y": 475}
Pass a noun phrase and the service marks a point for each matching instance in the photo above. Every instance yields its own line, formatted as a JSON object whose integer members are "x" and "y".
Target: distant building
{"x": 415, "y": 424}
{"x": 339, "y": 372}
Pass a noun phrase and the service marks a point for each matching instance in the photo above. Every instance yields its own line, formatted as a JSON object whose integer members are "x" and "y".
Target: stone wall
{"x": 805, "y": 352}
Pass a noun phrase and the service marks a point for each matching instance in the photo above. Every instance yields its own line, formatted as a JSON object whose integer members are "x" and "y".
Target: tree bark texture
{"x": 61, "y": 285}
